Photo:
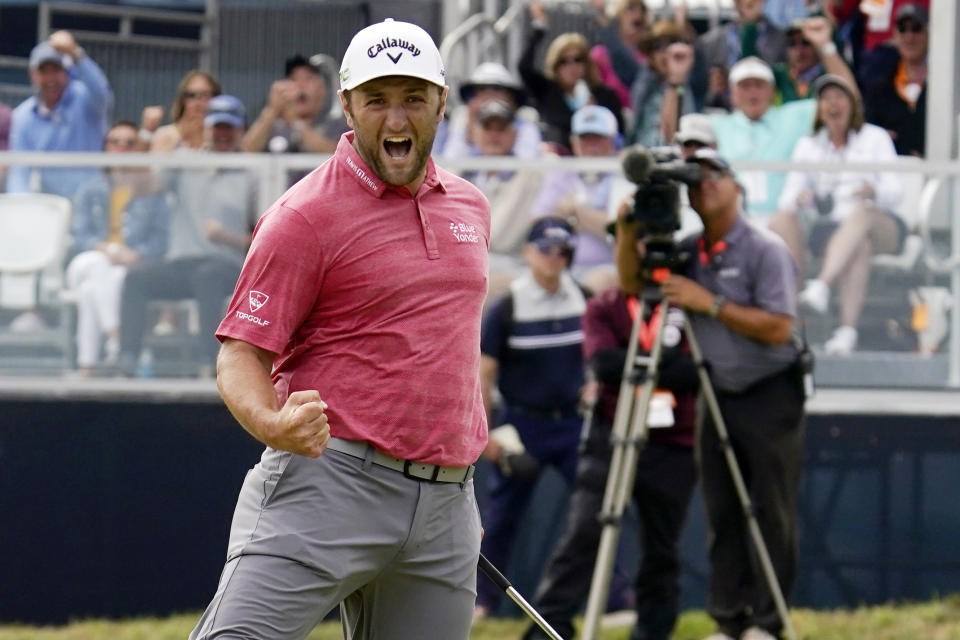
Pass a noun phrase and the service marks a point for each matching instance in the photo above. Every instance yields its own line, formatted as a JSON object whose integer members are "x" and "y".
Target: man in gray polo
{"x": 740, "y": 288}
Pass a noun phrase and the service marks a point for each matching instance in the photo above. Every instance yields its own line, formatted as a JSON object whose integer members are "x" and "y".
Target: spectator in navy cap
{"x": 894, "y": 80}
{"x": 531, "y": 351}
{"x": 224, "y": 123}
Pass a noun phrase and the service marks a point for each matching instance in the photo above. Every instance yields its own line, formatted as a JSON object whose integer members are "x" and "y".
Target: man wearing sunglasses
{"x": 121, "y": 219}
{"x": 894, "y": 81}
{"x": 531, "y": 352}
{"x": 811, "y": 52}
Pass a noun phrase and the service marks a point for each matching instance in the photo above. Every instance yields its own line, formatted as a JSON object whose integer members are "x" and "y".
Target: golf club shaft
{"x": 501, "y": 581}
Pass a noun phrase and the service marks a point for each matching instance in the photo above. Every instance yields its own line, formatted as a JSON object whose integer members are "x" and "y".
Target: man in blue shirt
{"x": 68, "y": 113}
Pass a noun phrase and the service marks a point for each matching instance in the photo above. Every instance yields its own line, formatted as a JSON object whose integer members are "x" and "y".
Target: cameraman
{"x": 741, "y": 290}
{"x": 665, "y": 468}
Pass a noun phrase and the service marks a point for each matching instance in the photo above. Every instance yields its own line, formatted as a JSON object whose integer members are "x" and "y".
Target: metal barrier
{"x": 936, "y": 222}
{"x": 144, "y": 68}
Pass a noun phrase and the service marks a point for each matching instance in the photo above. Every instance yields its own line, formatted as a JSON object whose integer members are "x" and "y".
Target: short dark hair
{"x": 296, "y": 61}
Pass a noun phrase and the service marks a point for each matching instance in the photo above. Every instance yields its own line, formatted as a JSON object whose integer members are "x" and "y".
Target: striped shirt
{"x": 536, "y": 338}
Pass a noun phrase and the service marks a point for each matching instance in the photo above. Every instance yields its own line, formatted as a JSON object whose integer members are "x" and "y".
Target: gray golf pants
{"x": 398, "y": 554}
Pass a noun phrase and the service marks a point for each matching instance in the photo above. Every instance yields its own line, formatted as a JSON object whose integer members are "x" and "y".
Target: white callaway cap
{"x": 391, "y": 48}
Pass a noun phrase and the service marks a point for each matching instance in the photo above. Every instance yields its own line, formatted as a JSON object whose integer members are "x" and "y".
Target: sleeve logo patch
{"x": 257, "y": 299}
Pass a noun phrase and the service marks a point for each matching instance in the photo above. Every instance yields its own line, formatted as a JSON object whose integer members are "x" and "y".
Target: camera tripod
{"x": 628, "y": 437}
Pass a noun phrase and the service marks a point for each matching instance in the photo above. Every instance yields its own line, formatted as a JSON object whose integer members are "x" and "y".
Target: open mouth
{"x": 397, "y": 147}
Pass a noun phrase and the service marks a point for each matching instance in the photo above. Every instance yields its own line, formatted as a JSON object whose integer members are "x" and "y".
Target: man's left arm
{"x": 752, "y": 322}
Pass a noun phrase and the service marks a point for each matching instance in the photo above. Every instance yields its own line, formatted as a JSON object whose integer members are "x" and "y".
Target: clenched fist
{"x": 301, "y": 425}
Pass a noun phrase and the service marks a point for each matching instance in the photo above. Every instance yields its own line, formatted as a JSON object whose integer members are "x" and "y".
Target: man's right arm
{"x": 488, "y": 381}
{"x": 243, "y": 378}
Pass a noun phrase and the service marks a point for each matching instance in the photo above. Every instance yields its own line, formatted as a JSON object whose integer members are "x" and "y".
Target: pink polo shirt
{"x": 372, "y": 296}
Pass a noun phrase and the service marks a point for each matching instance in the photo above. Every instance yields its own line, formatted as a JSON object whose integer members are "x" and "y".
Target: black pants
{"x": 664, "y": 484}
{"x": 766, "y": 428}
{"x": 208, "y": 280}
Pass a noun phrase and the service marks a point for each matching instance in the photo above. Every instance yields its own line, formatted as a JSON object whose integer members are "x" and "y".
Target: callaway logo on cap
{"x": 391, "y": 48}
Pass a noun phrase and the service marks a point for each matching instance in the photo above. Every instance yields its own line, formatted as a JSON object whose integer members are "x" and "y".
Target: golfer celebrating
{"x": 351, "y": 350}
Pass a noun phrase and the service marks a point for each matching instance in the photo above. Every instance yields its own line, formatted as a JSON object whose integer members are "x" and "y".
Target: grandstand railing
{"x": 938, "y": 223}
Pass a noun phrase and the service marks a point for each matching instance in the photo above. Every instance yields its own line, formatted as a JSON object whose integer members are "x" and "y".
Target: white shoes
{"x": 756, "y": 633}
{"x": 815, "y": 296}
{"x": 842, "y": 342}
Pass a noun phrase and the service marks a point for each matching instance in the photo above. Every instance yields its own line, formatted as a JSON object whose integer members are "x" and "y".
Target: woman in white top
{"x": 850, "y": 212}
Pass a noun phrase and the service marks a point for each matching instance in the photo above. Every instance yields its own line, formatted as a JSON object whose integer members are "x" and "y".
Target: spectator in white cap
{"x": 511, "y": 193}
{"x": 758, "y": 130}
{"x": 490, "y": 80}
{"x": 750, "y": 34}
{"x": 586, "y": 199}
{"x": 695, "y": 132}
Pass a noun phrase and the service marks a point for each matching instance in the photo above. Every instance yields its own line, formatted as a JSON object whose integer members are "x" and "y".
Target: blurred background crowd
{"x": 149, "y": 254}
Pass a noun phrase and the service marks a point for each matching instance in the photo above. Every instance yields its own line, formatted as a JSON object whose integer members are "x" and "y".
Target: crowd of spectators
{"x": 754, "y": 79}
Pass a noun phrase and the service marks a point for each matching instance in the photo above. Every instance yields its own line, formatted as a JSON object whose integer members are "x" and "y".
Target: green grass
{"x": 935, "y": 620}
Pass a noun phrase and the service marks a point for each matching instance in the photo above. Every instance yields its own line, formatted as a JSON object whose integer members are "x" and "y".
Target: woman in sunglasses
{"x": 186, "y": 114}
{"x": 568, "y": 81}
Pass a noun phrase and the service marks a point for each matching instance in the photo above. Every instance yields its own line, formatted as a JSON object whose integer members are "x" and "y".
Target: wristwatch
{"x": 718, "y": 301}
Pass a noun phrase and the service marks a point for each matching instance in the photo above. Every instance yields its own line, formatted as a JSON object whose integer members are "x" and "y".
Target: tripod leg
{"x": 627, "y": 438}
{"x": 706, "y": 388}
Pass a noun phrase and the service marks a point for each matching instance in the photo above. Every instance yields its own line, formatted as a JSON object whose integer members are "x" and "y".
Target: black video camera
{"x": 658, "y": 172}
